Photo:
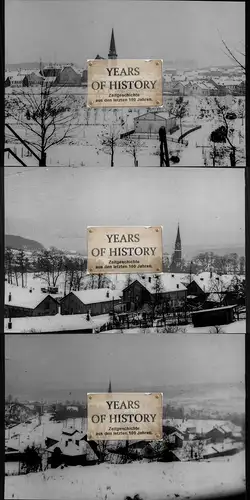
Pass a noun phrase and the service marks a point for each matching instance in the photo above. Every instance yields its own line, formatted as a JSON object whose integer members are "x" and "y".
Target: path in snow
{"x": 192, "y": 155}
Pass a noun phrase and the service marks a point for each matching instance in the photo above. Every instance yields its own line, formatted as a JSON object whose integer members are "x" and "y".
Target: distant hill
{"x": 31, "y": 65}
{"x": 17, "y": 66}
{"x": 190, "y": 251}
{"x": 20, "y": 243}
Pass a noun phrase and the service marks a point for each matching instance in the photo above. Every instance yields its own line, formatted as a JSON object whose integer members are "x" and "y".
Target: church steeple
{"x": 112, "y": 50}
{"x": 175, "y": 266}
{"x": 178, "y": 240}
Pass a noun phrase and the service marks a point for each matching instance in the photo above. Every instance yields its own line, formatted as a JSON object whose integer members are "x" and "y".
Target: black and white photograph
{"x": 47, "y": 454}
{"x": 201, "y": 44}
{"x": 202, "y": 288}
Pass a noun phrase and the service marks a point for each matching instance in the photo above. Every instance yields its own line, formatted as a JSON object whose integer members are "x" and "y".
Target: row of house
{"x": 67, "y": 75}
{"x": 68, "y": 445}
{"x": 207, "y": 87}
{"x": 211, "y": 298}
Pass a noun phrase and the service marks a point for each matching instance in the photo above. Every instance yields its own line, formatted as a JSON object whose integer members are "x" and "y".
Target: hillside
{"x": 20, "y": 243}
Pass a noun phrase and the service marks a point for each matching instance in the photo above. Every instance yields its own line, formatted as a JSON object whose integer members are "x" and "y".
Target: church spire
{"x": 176, "y": 257}
{"x": 178, "y": 239}
{"x": 112, "y": 50}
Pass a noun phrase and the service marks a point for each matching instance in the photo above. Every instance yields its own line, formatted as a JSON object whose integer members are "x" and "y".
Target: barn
{"x": 35, "y": 78}
{"x": 149, "y": 123}
{"x": 96, "y": 301}
{"x": 69, "y": 76}
{"x": 144, "y": 290}
{"x": 216, "y": 316}
{"x": 21, "y": 302}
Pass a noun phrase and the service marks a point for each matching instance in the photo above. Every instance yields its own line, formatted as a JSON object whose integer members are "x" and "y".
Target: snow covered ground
{"x": 235, "y": 327}
{"x": 152, "y": 481}
{"x": 84, "y": 148}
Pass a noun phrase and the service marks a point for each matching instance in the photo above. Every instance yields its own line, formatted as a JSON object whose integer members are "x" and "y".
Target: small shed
{"x": 149, "y": 123}
{"x": 216, "y": 316}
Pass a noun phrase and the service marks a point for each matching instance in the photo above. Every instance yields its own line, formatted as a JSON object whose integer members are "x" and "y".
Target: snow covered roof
{"x": 22, "y": 297}
{"x": 204, "y": 311}
{"x": 212, "y": 282}
{"x": 209, "y": 85}
{"x": 163, "y": 114}
{"x": 201, "y": 426}
{"x": 58, "y": 322}
{"x": 230, "y": 83}
{"x": 183, "y": 83}
{"x": 18, "y": 78}
{"x": 69, "y": 430}
{"x": 97, "y": 295}
{"x": 11, "y": 74}
{"x": 214, "y": 297}
{"x": 219, "y": 448}
{"x": 170, "y": 282}
{"x": 179, "y": 78}
{"x": 50, "y": 79}
{"x": 74, "y": 450}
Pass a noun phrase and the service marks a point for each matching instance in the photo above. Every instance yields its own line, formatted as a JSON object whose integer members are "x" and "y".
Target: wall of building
{"x": 150, "y": 124}
{"x": 69, "y": 77}
{"x": 48, "y": 307}
{"x": 137, "y": 294}
{"x": 211, "y": 318}
{"x": 72, "y": 305}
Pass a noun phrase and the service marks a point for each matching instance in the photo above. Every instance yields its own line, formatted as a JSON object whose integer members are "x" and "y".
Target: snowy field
{"x": 152, "y": 481}
{"x": 84, "y": 149}
{"x": 235, "y": 327}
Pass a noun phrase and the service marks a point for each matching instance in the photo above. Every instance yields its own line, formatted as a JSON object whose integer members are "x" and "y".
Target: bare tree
{"x": 9, "y": 260}
{"x": 22, "y": 264}
{"x": 92, "y": 281}
{"x": 223, "y": 133}
{"x": 179, "y": 109}
{"x": 46, "y": 118}
{"x": 241, "y": 110}
{"x": 49, "y": 265}
{"x": 132, "y": 146}
{"x": 158, "y": 290}
{"x": 232, "y": 56}
{"x": 109, "y": 140}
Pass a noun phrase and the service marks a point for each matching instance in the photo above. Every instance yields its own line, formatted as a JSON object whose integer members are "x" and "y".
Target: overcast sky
{"x": 55, "y": 205}
{"x": 74, "y": 31}
{"x": 132, "y": 362}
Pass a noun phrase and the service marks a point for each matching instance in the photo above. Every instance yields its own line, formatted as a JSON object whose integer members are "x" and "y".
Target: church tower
{"x": 112, "y": 50}
{"x": 176, "y": 257}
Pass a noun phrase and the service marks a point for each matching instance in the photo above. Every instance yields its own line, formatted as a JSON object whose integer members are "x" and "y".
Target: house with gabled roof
{"x": 72, "y": 448}
{"x": 69, "y": 76}
{"x": 94, "y": 301}
{"x": 144, "y": 290}
{"x": 28, "y": 302}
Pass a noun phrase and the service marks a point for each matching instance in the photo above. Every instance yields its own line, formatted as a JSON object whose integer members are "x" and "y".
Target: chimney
{"x": 107, "y": 294}
{"x": 177, "y": 286}
{"x": 10, "y": 297}
{"x": 149, "y": 279}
